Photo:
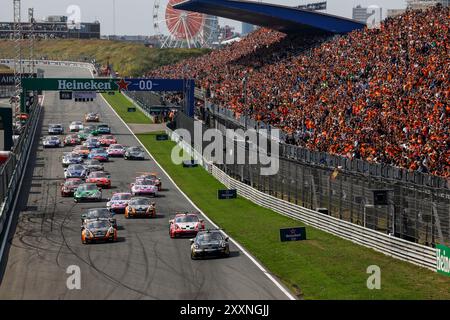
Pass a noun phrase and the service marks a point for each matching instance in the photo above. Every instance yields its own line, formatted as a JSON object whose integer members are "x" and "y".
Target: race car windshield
{"x": 116, "y": 147}
{"x": 145, "y": 182}
{"x": 186, "y": 219}
{"x": 207, "y": 237}
{"x": 54, "y": 138}
{"x": 72, "y": 183}
{"x": 140, "y": 202}
{"x": 98, "y": 175}
{"x": 98, "y": 225}
{"x": 98, "y": 213}
{"x": 78, "y": 167}
{"x": 135, "y": 149}
{"x": 121, "y": 197}
{"x": 88, "y": 187}
{"x": 93, "y": 162}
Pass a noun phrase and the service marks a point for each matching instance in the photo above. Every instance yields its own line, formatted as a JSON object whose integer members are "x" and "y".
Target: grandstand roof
{"x": 282, "y": 18}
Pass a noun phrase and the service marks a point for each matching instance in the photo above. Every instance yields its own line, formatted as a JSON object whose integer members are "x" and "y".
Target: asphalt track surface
{"x": 144, "y": 264}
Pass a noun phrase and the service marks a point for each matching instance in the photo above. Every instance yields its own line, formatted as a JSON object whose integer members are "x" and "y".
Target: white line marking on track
{"x": 277, "y": 283}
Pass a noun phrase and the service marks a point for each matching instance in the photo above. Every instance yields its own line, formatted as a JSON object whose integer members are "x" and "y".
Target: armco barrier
{"x": 398, "y": 248}
{"x": 12, "y": 171}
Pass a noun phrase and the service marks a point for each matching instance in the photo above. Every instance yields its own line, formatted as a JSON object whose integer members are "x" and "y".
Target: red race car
{"x": 100, "y": 178}
{"x": 107, "y": 140}
{"x": 69, "y": 186}
{"x": 185, "y": 224}
{"x": 72, "y": 140}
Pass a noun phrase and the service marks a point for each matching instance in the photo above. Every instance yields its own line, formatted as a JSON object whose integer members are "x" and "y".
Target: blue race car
{"x": 76, "y": 171}
{"x": 92, "y": 143}
{"x": 52, "y": 142}
{"x": 103, "y": 129}
{"x": 99, "y": 154}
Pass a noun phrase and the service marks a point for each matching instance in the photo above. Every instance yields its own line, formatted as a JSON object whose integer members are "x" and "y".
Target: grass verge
{"x": 323, "y": 267}
{"x": 121, "y": 104}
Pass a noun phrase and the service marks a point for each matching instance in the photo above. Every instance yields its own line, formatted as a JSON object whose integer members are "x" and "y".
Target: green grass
{"x": 322, "y": 267}
{"x": 129, "y": 59}
{"x": 121, "y": 104}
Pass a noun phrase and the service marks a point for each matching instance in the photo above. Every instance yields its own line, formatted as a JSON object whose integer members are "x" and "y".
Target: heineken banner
{"x": 51, "y": 84}
{"x": 443, "y": 259}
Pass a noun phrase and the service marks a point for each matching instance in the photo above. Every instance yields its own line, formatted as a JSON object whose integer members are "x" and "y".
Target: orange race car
{"x": 100, "y": 178}
{"x": 82, "y": 151}
{"x": 140, "y": 207}
{"x": 98, "y": 230}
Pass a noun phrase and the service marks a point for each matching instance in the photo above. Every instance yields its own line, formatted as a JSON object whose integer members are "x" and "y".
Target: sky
{"x": 134, "y": 17}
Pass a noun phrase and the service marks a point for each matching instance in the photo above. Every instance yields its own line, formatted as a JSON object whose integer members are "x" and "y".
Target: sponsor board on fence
{"x": 443, "y": 259}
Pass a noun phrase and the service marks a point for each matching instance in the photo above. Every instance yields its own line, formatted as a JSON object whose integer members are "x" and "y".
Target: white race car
{"x": 76, "y": 126}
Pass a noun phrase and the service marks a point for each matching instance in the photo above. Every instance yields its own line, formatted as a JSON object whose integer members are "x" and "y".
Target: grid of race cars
{"x": 85, "y": 178}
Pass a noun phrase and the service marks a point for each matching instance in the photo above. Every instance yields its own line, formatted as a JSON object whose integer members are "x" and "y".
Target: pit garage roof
{"x": 282, "y": 18}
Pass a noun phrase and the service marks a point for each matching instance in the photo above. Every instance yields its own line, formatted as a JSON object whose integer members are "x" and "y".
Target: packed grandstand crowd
{"x": 381, "y": 95}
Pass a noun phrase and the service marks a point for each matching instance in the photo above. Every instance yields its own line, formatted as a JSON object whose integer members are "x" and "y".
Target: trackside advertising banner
{"x": 443, "y": 259}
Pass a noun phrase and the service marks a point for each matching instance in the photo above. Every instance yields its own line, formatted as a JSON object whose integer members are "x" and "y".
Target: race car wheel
{"x": 193, "y": 256}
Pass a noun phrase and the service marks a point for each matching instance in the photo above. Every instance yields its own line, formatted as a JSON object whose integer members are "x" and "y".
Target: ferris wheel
{"x": 182, "y": 29}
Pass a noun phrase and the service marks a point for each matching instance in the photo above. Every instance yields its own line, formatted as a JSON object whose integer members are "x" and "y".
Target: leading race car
{"x": 75, "y": 171}
{"x": 99, "y": 214}
{"x": 71, "y": 158}
{"x": 140, "y": 207}
{"x": 82, "y": 151}
{"x": 76, "y": 126}
{"x": 98, "y": 230}
{"x": 52, "y": 142}
{"x": 185, "y": 224}
{"x": 107, "y": 140}
{"x": 118, "y": 202}
{"x": 209, "y": 243}
{"x": 72, "y": 140}
{"x": 99, "y": 154}
{"x": 69, "y": 186}
{"x": 88, "y": 192}
{"x": 134, "y": 153}
{"x": 55, "y": 129}
{"x": 144, "y": 187}
{"x": 100, "y": 178}
{"x": 152, "y": 177}
{"x": 91, "y": 117}
{"x": 116, "y": 150}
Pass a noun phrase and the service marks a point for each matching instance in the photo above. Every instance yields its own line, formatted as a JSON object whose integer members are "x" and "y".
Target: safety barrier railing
{"x": 398, "y": 248}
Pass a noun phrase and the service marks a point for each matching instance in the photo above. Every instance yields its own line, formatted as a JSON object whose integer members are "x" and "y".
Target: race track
{"x": 144, "y": 264}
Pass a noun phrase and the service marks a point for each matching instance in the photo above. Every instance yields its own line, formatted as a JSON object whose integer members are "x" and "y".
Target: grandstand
{"x": 378, "y": 95}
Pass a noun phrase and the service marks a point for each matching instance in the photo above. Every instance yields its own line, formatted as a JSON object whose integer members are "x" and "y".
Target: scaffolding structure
{"x": 18, "y": 61}
{"x": 32, "y": 22}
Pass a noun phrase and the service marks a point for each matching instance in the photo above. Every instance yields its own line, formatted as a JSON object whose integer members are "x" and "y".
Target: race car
{"x": 210, "y": 243}
{"x": 99, "y": 214}
{"x": 83, "y": 134}
{"x": 71, "y": 158}
{"x": 134, "y": 153}
{"x": 72, "y": 140}
{"x": 144, "y": 187}
{"x": 107, "y": 140}
{"x": 119, "y": 202}
{"x": 140, "y": 207}
{"x": 76, "y": 126}
{"x": 92, "y": 143}
{"x": 69, "y": 186}
{"x": 91, "y": 130}
{"x": 94, "y": 165}
{"x": 22, "y": 118}
{"x": 185, "y": 224}
{"x": 99, "y": 154}
{"x": 55, "y": 129}
{"x": 82, "y": 151}
{"x": 52, "y": 142}
{"x": 98, "y": 230}
{"x": 75, "y": 171}
{"x": 116, "y": 150}
{"x": 153, "y": 177}
{"x": 103, "y": 129}
{"x": 100, "y": 178}
{"x": 88, "y": 192}
{"x": 92, "y": 117}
